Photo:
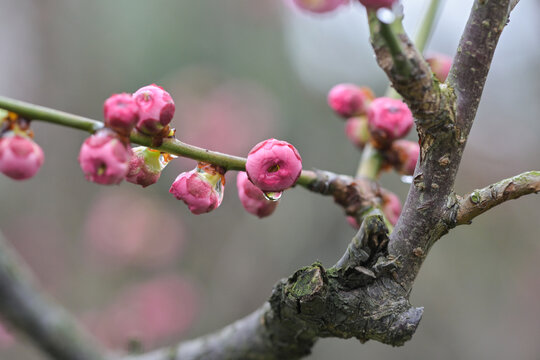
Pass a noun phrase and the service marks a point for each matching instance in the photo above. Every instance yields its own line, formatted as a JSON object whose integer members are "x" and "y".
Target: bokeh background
{"x": 133, "y": 263}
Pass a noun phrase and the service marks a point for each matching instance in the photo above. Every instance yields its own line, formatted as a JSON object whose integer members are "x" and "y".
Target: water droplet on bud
{"x": 386, "y": 15}
{"x": 273, "y": 196}
{"x": 406, "y": 179}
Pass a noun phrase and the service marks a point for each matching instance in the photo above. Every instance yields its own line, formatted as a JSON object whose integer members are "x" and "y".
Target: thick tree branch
{"x": 43, "y": 322}
{"x": 430, "y": 202}
{"x": 480, "y": 201}
{"x": 358, "y": 297}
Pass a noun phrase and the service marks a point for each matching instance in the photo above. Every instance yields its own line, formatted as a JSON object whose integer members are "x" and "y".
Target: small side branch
{"x": 45, "y": 323}
{"x": 407, "y": 70}
{"x": 480, "y": 201}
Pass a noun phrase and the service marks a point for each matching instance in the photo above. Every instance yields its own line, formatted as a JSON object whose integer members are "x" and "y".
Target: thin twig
{"x": 480, "y": 201}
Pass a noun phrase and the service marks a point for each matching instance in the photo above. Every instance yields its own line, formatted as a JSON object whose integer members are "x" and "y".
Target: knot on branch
{"x": 366, "y": 257}
{"x": 358, "y": 297}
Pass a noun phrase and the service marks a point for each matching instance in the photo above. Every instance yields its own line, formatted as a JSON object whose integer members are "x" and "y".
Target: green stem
{"x": 370, "y": 163}
{"x": 426, "y": 28}
{"x": 389, "y": 34}
{"x": 422, "y": 37}
{"x": 171, "y": 146}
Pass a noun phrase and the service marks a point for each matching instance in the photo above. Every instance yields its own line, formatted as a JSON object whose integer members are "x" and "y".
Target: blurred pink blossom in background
{"x": 150, "y": 312}
{"x": 6, "y": 339}
{"x": 125, "y": 227}
{"x": 229, "y": 117}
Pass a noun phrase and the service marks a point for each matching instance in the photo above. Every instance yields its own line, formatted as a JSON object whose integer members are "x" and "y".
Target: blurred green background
{"x": 241, "y": 71}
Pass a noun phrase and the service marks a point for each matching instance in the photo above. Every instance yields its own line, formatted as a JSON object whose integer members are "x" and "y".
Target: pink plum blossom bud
{"x": 121, "y": 113}
{"x": 389, "y": 119}
{"x": 156, "y": 109}
{"x": 375, "y": 4}
{"x": 440, "y": 65}
{"x": 145, "y": 166}
{"x": 273, "y": 165}
{"x": 357, "y": 131}
{"x": 404, "y": 155}
{"x": 201, "y": 189}
{"x": 20, "y": 157}
{"x": 353, "y": 222}
{"x": 349, "y": 100}
{"x": 391, "y": 206}
{"x": 104, "y": 158}
{"x": 319, "y": 6}
{"x": 253, "y": 198}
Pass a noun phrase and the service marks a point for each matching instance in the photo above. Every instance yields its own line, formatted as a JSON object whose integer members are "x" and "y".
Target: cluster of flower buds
{"x": 20, "y": 157}
{"x": 272, "y": 166}
{"x": 380, "y": 122}
{"x": 383, "y": 123}
{"x": 106, "y": 157}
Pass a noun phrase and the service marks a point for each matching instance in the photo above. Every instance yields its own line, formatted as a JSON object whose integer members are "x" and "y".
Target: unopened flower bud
{"x": 156, "y": 109}
{"x": 403, "y": 156}
{"x": 253, "y": 198}
{"x": 20, "y": 157}
{"x": 319, "y": 6}
{"x": 353, "y": 222}
{"x": 375, "y": 4}
{"x": 145, "y": 166}
{"x": 391, "y": 206}
{"x": 201, "y": 189}
{"x": 121, "y": 113}
{"x": 104, "y": 158}
{"x": 440, "y": 65}
{"x": 357, "y": 131}
{"x": 273, "y": 165}
{"x": 349, "y": 100}
{"x": 389, "y": 119}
